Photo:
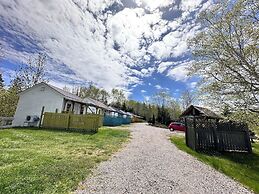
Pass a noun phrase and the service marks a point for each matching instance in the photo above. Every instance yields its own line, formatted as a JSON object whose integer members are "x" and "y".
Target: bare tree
{"x": 32, "y": 73}
{"x": 162, "y": 98}
{"x": 187, "y": 98}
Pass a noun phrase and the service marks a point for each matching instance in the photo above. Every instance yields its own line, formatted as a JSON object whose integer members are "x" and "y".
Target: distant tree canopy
{"x": 117, "y": 98}
{"x": 227, "y": 53}
{"x": 162, "y": 108}
{"x": 94, "y": 93}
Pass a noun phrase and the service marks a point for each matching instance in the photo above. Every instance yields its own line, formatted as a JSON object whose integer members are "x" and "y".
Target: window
{"x": 42, "y": 89}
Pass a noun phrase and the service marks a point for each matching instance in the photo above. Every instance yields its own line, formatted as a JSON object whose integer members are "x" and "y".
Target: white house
{"x": 47, "y": 98}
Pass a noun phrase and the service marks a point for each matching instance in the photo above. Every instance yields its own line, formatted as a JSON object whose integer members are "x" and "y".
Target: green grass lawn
{"x": 239, "y": 166}
{"x": 45, "y": 161}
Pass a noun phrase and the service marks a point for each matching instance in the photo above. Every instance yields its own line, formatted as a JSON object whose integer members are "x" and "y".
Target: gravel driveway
{"x": 150, "y": 163}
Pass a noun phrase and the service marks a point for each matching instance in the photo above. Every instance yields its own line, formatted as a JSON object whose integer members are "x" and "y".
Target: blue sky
{"x": 139, "y": 46}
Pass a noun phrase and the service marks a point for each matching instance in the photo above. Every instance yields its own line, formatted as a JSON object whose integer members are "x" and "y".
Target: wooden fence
{"x": 221, "y": 136}
{"x": 89, "y": 122}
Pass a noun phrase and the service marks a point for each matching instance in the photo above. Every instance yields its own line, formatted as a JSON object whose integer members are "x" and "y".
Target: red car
{"x": 176, "y": 126}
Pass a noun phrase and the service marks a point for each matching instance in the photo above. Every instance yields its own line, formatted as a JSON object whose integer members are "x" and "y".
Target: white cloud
{"x": 109, "y": 49}
{"x": 163, "y": 66}
{"x": 179, "y": 72}
{"x": 153, "y": 5}
{"x": 147, "y": 98}
{"x": 158, "y": 87}
{"x": 190, "y": 5}
{"x": 192, "y": 85}
{"x": 143, "y": 91}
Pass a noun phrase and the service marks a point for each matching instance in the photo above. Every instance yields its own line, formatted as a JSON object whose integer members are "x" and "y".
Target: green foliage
{"x": 117, "y": 98}
{"x": 41, "y": 161}
{"x": 227, "y": 53}
{"x": 239, "y": 166}
{"x": 94, "y": 93}
{"x": 8, "y": 102}
{"x": 246, "y": 116}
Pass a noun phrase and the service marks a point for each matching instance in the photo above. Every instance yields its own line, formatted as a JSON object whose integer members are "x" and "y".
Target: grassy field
{"x": 44, "y": 161}
{"x": 241, "y": 167}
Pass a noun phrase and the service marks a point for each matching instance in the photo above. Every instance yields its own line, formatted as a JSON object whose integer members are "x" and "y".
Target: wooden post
{"x": 41, "y": 115}
{"x": 215, "y": 135}
{"x": 186, "y": 132}
{"x": 194, "y": 129}
{"x": 249, "y": 147}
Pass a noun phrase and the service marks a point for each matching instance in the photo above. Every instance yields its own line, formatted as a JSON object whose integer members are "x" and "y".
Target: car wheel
{"x": 171, "y": 129}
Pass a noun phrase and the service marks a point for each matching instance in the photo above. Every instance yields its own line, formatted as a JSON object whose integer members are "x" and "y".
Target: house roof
{"x": 125, "y": 113}
{"x": 65, "y": 94}
{"x": 96, "y": 103}
{"x": 201, "y": 112}
{"x": 112, "y": 109}
{"x": 68, "y": 95}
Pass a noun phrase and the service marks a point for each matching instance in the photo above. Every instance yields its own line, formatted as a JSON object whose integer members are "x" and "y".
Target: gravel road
{"x": 150, "y": 163}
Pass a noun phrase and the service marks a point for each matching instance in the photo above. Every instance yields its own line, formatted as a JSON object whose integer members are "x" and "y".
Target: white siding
{"x": 32, "y": 101}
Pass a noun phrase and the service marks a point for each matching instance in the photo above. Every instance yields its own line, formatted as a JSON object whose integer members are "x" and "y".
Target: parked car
{"x": 177, "y": 126}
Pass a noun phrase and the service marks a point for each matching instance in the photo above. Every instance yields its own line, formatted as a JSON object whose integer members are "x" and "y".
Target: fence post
{"x": 68, "y": 121}
{"x": 186, "y": 132}
{"x": 248, "y": 142}
{"x": 194, "y": 129}
{"x": 215, "y": 135}
{"x": 41, "y": 115}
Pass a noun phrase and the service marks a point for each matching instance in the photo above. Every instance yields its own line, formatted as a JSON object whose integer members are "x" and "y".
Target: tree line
{"x": 162, "y": 107}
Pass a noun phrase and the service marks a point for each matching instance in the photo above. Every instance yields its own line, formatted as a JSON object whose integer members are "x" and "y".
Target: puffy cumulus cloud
{"x": 190, "y": 5}
{"x": 69, "y": 35}
{"x": 131, "y": 28}
{"x": 95, "y": 6}
{"x": 180, "y": 71}
{"x": 158, "y": 87}
{"x": 96, "y": 42}
{"x": 152, "y": 5}
{"x": 174, "y": 44}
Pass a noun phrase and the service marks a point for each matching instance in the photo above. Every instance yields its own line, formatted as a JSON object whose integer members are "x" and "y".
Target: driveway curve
{"x": 150, "y": 163}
